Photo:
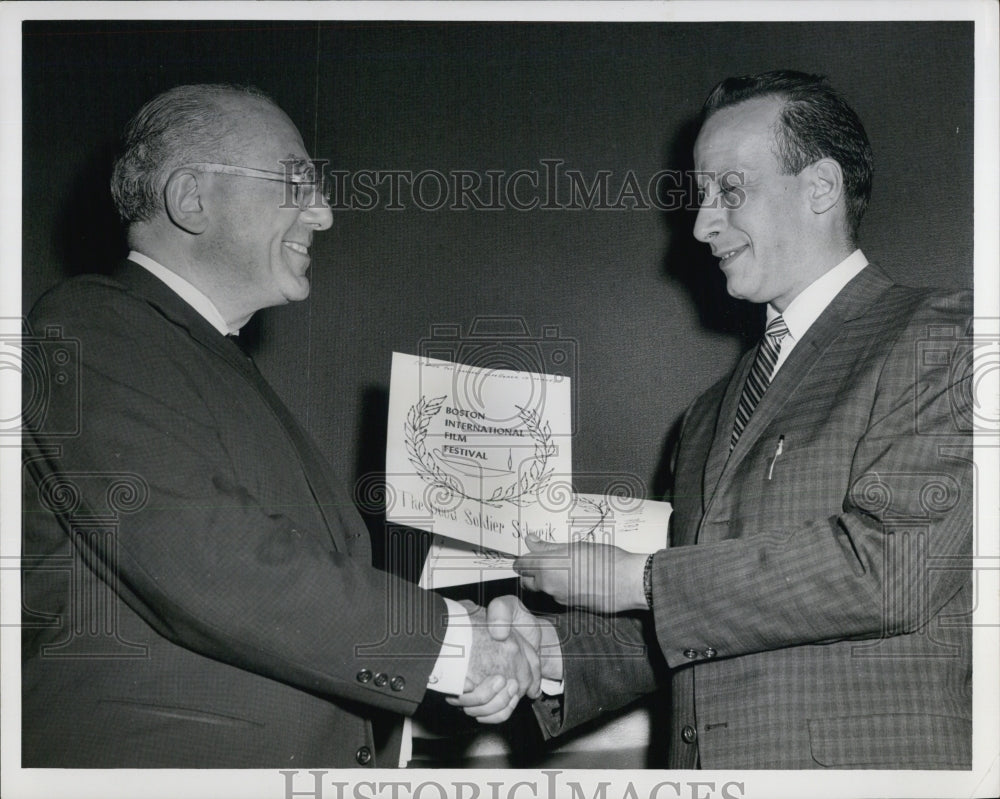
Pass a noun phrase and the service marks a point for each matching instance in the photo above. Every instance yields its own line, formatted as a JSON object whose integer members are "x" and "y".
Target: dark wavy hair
{"x": 816, "y": 123}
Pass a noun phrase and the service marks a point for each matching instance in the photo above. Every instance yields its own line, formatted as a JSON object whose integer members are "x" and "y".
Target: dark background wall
{"x": 639, "y": 300}
{"x": 631, "y": 297}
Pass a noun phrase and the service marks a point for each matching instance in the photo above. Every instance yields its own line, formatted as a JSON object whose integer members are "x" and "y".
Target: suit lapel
{"x": 154, "y": 291}
{"x": 854, "y": 300}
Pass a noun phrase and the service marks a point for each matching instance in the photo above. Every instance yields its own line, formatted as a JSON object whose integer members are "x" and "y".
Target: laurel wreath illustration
{"x": 601, "y": 509}
{"x": 520, "y": 493}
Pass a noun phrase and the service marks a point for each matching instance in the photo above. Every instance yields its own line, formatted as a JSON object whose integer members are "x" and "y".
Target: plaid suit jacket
{"x": 812, "y": 609}
{"x": 198, "y": 590}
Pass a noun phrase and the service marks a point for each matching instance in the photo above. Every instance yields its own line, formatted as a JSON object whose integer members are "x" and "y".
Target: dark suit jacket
{"x": 198, "y": 588}
{"x": 813, "y": 608}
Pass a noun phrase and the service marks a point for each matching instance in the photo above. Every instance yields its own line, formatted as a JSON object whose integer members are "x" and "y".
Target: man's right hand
{"x": 508, "y": 656}
{"x": 507, "y": 614}
{"x": 492, "y": 700}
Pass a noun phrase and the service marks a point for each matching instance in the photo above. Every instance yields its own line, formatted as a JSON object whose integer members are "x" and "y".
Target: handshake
{"x": 513, "y": 650}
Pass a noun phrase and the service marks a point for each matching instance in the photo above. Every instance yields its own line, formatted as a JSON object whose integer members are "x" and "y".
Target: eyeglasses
{"x": 306, "y": 182}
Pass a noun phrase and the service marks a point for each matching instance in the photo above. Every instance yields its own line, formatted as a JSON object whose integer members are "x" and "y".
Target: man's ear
{"x": 182, "y": 198}
{"x": 826, "y": 185}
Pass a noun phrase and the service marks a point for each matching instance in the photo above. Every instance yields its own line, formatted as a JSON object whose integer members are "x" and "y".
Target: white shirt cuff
{"x": 452, "y": 666}
{"x": 552, "y": 687}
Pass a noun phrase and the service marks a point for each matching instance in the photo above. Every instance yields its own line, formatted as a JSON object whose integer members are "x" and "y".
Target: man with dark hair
{"x": 198, "y": 589}
{"x": 813, "y": 607}
{"x": 814, "y": 122}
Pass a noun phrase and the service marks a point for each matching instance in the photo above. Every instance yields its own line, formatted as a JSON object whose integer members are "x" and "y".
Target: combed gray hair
{"x": 182, "y": 125}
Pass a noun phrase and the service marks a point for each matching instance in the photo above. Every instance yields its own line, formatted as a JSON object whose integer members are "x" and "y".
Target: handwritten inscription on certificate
{"x": 635, "y": 525}
{"x": 477, "y": 454}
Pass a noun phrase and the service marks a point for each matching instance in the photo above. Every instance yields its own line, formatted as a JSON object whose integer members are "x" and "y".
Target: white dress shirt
{"x": 187, "y": 292}
{"x": 812, "y": 301}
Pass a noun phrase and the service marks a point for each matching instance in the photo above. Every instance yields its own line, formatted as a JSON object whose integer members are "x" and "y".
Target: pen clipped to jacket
{"x": 777, "y": 454}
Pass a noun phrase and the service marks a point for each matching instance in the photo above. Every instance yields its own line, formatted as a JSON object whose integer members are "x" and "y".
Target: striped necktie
{"x": 760, "y": 375}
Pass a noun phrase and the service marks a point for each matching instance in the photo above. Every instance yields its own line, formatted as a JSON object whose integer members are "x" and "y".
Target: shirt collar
{"x": 813, "y": 299}
{"x": 186, "y": 291}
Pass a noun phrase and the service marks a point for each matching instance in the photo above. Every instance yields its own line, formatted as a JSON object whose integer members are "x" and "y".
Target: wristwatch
{"x": 647, "y": 581}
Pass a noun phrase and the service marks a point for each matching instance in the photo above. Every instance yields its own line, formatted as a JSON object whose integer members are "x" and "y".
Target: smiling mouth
{"x": 294, "y": 246}
{"x": 725, "y": 257}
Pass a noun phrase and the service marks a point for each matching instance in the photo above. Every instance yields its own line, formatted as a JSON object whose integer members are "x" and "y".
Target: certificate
{"x": 635, "y": 525}
{"x": 477, "y": 454}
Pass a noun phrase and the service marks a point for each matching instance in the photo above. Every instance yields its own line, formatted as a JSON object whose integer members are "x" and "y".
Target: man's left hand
{"x": 597, "y": 577}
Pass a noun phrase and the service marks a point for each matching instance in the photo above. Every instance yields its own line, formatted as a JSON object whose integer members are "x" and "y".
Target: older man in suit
{"x": 198, "y": 589}
{"x": 812, "y": 609}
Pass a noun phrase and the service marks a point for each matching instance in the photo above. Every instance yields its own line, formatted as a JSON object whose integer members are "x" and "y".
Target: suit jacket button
{"x": 710, "y": 653}
{"x": 397, "y": 684}
{"x": 381, "y": 680}
{"x": 363, "y": 756}
{"x": 364, "y": 675}
{"x": 690, "y": 654}
{"x": 688, "y": 734}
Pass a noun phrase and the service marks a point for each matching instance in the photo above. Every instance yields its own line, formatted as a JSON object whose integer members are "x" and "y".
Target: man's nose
{"x": 317, "y": 215}
{"x": 710, "y": 219}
